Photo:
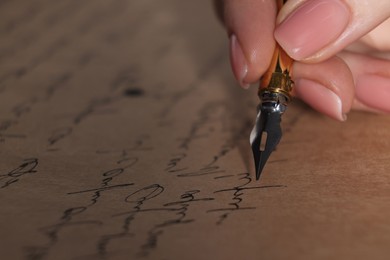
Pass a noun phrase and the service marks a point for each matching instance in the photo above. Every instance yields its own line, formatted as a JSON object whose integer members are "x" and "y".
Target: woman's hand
{"x": 341, "y": 49}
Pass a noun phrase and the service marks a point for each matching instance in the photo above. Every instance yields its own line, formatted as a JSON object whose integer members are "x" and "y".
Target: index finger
{"x": 250, "y": 25}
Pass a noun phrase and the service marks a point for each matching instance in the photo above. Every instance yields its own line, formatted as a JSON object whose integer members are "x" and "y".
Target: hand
{"x": 341, "y": 49}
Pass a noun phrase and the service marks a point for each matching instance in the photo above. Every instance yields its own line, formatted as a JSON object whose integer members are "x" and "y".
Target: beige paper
{"x": 124, "y": 136}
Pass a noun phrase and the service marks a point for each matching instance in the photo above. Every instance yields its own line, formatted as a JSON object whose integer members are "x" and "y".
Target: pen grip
{"x": 277, "y": 77}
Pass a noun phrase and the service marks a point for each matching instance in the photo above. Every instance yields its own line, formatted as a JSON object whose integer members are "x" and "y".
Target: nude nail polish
{"x": 238, "y": 61}
{"x": 311, "y": 27}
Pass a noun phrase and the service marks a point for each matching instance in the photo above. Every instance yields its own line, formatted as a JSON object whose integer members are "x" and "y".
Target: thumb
{"x": 314, "y": 30}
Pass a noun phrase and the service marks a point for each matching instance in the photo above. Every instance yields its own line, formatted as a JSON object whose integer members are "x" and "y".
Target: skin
{"x": 340, "y": 47}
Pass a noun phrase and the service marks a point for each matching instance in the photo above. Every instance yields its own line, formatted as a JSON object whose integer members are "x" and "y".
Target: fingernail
{"x": 238, "y": 61}
{"x": 374, "y": 91}
{"x": 311, "y": 27}
{"x": 320, "y": 98}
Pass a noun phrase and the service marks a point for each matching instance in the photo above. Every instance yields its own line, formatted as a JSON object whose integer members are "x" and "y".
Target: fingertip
{"x": 250, "y": 24}
{"x": 312, "y": 26}
{"x": 238, "y": 61}
{"x": 374, "y": 92}
{"x": 372, "y": 82}
{"x": 320, "y": 98}
{"x": 328, "y": 87}
{"x": 315, "y": 30}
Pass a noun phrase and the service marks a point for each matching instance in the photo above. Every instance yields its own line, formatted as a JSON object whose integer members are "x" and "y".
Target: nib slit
{"x": 263, "y": 141}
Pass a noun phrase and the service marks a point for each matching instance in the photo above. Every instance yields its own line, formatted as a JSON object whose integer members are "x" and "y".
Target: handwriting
{"x": 203, "y": 74}
{"x": 172, "y": 164}
{"x": 206, "y": 170}
{"x": 141, "y": 144}
{"x": 59, "y": 134}
{"x": 25, "y": 107}
{"x": 139, "y": 199}
{"x": 180, "y": 209}
{"x": 107, "y": 177}
{"x": 68, "y": 215}
{"x": 237, "y": 197}
{"x": 95, "y": 106}
{"x": 26, "y": 167}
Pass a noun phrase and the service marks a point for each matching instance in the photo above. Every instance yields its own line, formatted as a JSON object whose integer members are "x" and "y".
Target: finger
{"x": 250, "y": 25}
{"x": 372, "y": 77}
{"x": 379, "y": 38}
{"x": 327, "y": 86}
{"x": 314, "y": 30}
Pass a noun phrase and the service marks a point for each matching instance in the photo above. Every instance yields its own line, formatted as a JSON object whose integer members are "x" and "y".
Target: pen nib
{"x": 264, "y": 137}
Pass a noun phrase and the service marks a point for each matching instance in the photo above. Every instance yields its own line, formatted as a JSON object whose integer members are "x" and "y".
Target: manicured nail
{"x": 312, "y": 27}
{"x": 374, "y": 91}
{"x": 238, "y": 61}
{"x": 320, "y": 98}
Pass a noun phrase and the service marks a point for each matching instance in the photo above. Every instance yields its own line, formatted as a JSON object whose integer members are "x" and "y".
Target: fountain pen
{"x": 274, "y": 94}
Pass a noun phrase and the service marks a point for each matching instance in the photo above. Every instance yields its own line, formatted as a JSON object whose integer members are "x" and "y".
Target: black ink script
{"x": 138, "y": 200}
{"x": 26, "y": 167}
{"x": 238, "y": 196}
{"x": 180, "y": 210}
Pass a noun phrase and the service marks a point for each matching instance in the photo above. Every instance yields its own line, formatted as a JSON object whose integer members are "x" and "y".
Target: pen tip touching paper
{"x": 264, "y": 138}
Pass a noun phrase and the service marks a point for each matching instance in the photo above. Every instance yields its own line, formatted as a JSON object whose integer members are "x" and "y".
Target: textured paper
{"x": 124, "y": 136}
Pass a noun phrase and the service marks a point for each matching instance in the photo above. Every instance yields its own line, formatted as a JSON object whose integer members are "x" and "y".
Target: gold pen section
{"x": 277, "y": 78}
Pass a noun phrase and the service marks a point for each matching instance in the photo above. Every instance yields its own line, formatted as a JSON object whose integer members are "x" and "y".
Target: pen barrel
{"x": 277, "y": 78}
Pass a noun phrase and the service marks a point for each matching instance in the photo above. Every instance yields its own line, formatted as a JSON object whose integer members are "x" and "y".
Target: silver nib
{"x": 267, "y": 132}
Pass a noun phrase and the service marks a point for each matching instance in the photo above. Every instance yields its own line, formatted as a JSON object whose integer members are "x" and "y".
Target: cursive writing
{"x": 237, "y": 197}
{"x": 28, "y": 166}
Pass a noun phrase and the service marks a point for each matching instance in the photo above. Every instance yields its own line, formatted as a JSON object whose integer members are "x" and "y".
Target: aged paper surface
{"x": 124, "y": 136}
